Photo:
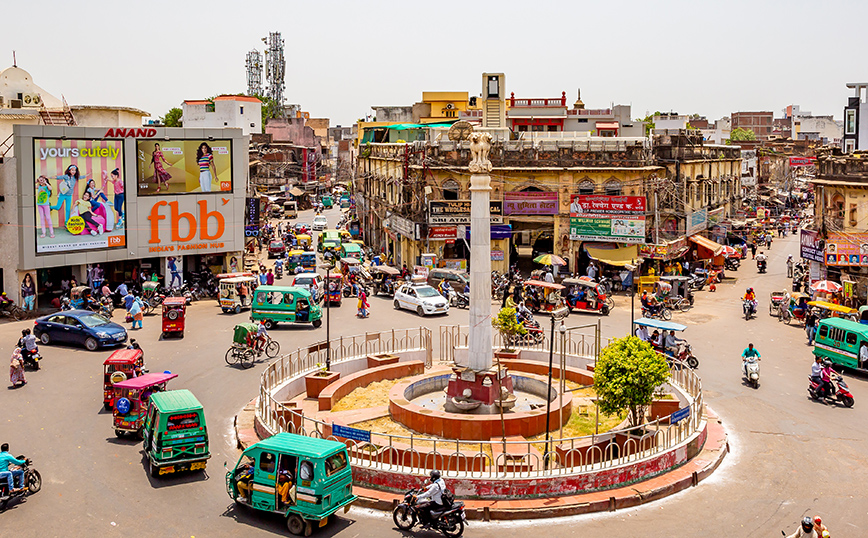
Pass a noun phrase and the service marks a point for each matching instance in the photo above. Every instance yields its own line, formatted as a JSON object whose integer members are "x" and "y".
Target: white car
{"x": 312, "y": 282}
{"x": 421, "y": 298}
{"x": 320, "y": 223}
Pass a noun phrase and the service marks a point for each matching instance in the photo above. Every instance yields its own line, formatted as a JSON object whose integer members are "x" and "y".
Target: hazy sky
{"x": 691, "y": 56}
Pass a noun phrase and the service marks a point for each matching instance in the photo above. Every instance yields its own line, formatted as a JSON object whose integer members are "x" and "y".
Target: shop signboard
{"x": 530, "y": 203}
{"x": 666, "y": 251}
{"x": 797, "y": 162}
{"x": 697, "y": 221}
{"x": 847, "y": 250}
{"x": 79, "y": 195}
{"x": 251, "y": 217}
{"x": 810, "y": 247}
{"x": 497, "y": 231}
{"x": 607, "y": 218}
{"x": 403, "y": 226}
{"x": 442, "y": 232}
{"x": 170, "y": 167}
{"x": 458, "y": 211}
{"x": 497, "y": 255}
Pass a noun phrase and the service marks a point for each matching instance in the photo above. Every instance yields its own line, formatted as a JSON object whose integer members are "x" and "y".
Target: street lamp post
{"x": 329, "y": 257}
{"x": 558, "y": 314}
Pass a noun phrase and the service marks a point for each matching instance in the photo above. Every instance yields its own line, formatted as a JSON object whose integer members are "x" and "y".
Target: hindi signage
{"x": 442, "y": 232}
{"x": 354, "y": 434}
{"x": 796, "y": 162}
{"x": 607, "y": 218}
{"x": 530, "y": 203}
{"x": 847, "y": 250}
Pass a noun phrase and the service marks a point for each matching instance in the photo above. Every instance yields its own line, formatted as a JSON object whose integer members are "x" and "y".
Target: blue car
{"x": 79, "y": 327}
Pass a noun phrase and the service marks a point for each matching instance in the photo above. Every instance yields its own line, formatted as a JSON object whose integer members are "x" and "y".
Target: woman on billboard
{"x": 161, "y": 177}
{"x": 118, "y": 186}
{"x": 95, "y": 195}
{"x": 66, "y": 185}
{"x": 43, "y": 207}
{"x": 88, "y": 210}
{"x": 207, "y": 170}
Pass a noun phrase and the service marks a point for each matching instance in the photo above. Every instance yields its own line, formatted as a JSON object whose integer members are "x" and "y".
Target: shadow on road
{"x": 172, "y": 479}
{"x": 277, "y": 524}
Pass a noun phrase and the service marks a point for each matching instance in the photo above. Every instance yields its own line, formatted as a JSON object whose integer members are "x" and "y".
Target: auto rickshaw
{"x": 305, "y": 479}
{"x": 351, "y": 250}
{"x": 231, "y": 298}
{"x": 308, "y": 261}
{"x": 303, "y": 241}
{"x": 174, "y": 312}
{"x": 331, "y": 245}
{"x": 131, "y": 401}
{"x": 289, "y": 304}
{"x": 551, "y": 298}
{"x": 385, "y": 279}
{"x": 175, "y": 435}
{"x": 334, "y": 285}
{"x": 81, "y": 297}
{"x": 293, "y": 261}
{"x": 587, "y": 296}
{"x": 793, "y": 306}
{"x": 117, "y": 368}
{"x": 680, "y": 357}
{"x": 831, "y": 310}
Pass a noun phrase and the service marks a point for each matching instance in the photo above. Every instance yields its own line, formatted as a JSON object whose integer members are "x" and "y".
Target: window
{"x": 493, "y": 87}
{"x": 242, "y": 110}
{"x": 613, "y": 188}
{"x": 451, "y": 189}
{"x": 850, "y": 121}
{"x": 824, "y": 331}
{"x": 850, "y": 339}
{"x": 586, "y": 187}
{"x": 261, "y": 298}
{"x": 267, "y": 462}
{"x": 305, "y": 471}
{"x": 852, "y": 214}
{"x": 849, "y": 146}
{"x": 335, "y": 463}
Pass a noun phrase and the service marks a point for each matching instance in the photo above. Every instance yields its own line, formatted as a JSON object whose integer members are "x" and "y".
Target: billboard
{"x": 810, "y": 246}
{"x": 80, "y": 195}
{"x": 847, "y": 249}
{"x": 168, "y": 167}
{"x": 458, "y": 212}
{"x": 607, "y": 218}
{"x": 530, "y": 203}
{"x": 697, "y": 221}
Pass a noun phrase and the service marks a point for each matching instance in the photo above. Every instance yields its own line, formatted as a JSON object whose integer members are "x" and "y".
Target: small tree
{"x": 740, "y": 135}
{"x": 508, "y": 326}
{"x": 626, "y": 377}
{"x": 173, "y": 118}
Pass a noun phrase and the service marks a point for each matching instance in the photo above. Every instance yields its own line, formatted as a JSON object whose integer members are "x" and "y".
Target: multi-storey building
{"x": 761, "y": 123}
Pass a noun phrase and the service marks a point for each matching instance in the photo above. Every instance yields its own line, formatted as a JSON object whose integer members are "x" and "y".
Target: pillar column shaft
{"x": 480, "y": 352}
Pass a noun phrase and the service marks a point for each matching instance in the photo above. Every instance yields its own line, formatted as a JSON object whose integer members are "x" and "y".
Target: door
{"x": 56, "y": 328}
{"x": 264, "y": 490}
{"x": 288, "y": 307}
{"x": 76, "y": 332}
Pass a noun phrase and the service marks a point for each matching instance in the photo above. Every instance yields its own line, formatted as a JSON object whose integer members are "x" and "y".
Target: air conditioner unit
{"x": 15, "y": 103}
{"x": 31, "y": 100}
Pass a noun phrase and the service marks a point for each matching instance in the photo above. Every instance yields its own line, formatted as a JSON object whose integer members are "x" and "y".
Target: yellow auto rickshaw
{"x": 304, "y": 241}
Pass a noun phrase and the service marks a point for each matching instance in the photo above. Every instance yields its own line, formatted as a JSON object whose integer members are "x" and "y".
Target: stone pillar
{"x": 479, "y": 341}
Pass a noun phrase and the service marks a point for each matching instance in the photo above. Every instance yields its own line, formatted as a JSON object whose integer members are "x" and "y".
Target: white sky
{"x": 691, "y": 56}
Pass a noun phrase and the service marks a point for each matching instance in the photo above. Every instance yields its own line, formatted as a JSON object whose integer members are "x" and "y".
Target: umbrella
{"x": 729, "y": 252}
{"x": 827, "y": 286}
{"x": 549, "y": 259}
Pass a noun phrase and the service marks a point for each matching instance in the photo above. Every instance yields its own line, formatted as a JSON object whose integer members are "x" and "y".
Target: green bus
{"x": 175, "y": 435}
{"x": 842, "y": 341}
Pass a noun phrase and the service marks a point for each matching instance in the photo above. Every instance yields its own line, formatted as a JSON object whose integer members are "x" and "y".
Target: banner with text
{"x": 810, "y": 246}
{"x": 607, "y": 218}
{"x": 847, "y": 250}
{"x": 458, "y": 211}
{"x": 530, "y": 203}
{"x": 697, "y": 221}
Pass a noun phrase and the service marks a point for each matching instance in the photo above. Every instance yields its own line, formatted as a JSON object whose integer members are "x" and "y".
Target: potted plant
{"x": 510, "y": 329}
{"x": 315, "y": 382}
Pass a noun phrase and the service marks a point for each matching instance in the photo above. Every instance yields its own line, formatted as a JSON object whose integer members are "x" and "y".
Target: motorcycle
{"x": 842, "y": 391}
{"x": 685, "y": 356}
{"x": 661, "y": 313}
{"x": 761, "y": 266}
{"x": 751, "y": 371}
{"x": 106, "y": 308}
{"x": 460, "y": 300}
{"x": 449, "y": 520}
{"x": 697, "y": 282}
{"x": 749, "y": 308}
{"x": 278, "y": 272}
{"x": 31, "y": 358}
{"x": 12, "y": 310}
{"x": 32, "y": 480}
{"x": 731, "y": 264}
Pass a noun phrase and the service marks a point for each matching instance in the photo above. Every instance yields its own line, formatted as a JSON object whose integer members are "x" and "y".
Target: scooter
{"x": 449, "y": 520}
{"x": 761, "y": 266}
{"x": 460, "y": 300}
{"x": 32, "y": 480}
{"x": 31, "y": 358}
{"x": 842, "y": 391}
{"x": 278, "y": 271}
{"x": 749, "y": 308}
{"x": 751, "y": 371}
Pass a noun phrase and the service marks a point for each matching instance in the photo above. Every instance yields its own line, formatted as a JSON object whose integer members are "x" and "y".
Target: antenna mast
{"x": 275, "y": 69}
{"x": 254, "y": 72}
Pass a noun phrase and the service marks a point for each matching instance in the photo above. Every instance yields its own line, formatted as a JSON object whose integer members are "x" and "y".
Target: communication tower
{"x": 254, "y": 72}
{"x": 275, "y": 67}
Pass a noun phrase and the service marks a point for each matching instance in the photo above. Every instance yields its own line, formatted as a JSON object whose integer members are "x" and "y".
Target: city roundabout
{"x": 511, "y": 441}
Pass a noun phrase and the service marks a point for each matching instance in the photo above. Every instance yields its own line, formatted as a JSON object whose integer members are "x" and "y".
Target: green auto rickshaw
{"x": 175, "y": 435}
{"x": 305, "y": 479}
{"x": 352, "y": 250}
{"x": 290, "y": 304}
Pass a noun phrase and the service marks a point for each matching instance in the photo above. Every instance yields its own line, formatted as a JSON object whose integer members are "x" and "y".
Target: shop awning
{"x": 607, "y": 125}
{"x": 715, "y": 248}
{"x": 295, "y": 191}
{"x": 614, "y": 256}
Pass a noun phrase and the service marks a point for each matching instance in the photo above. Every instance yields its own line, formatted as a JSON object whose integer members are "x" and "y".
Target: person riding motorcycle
{"x": 431, "y": 499}
{"x": 761, "y": 260}
{"x": 28, "y": 345}
{"x": 750, "y": 297}
{"x": 444, "y": 288}
{"x": 826, "y": 372}
{"x": 649, "y": 302}
{"x": 805, "y": 530}
{"x": 748, "y": 355}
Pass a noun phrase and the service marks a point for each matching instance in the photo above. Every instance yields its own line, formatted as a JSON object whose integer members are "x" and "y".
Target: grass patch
{"x": 374, "y": 395}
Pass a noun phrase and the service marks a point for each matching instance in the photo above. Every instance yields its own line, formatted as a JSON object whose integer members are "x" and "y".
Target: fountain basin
{"x": 418, "y": 404}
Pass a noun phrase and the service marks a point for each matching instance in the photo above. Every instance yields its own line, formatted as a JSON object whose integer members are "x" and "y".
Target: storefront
{"x": 123, "y": 202}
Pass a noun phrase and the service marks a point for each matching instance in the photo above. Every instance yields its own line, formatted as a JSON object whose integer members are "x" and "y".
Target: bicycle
{"x": 677, "y": 302}
{"x": 239, "y": 354}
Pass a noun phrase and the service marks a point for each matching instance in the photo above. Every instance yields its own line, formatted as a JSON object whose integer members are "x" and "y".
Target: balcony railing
{"x": 589, "y": 112}
{"x": 538, "y": 102}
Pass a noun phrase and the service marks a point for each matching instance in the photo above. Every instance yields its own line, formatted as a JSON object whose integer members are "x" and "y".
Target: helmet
{"x": 807, "y": 524}
{"x": 435, "y": 476}
{"x": 747, "y": 290}
{"x": 818, "y": 520}
{"x": 827, "y": 362}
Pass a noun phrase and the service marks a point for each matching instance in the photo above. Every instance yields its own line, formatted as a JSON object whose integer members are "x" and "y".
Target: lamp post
{"x": 557, "y": 315}
{"x": 329, "y": 257}
{"x": 632, "y": 268}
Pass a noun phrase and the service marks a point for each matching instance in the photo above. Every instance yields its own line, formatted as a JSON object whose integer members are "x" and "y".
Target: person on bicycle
{"x": 261, "y": 337}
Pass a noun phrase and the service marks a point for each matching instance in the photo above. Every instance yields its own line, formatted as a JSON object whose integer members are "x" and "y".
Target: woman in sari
{"x": 16, "y": 369}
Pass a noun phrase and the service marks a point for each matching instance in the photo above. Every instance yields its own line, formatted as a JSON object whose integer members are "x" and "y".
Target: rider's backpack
{"x": 448, "y": 497}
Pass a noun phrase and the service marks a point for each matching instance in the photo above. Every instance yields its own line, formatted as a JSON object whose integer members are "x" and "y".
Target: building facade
{"x": 224, "y": 112}
{"x": 761, "y": 123}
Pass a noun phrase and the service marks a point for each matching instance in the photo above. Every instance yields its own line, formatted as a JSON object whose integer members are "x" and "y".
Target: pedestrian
{"x": 269, "y": 278}
{"x": 752, "y": 246}
{"x": 790, "y": 266}
{"x": 592, "y": 271}
{"x": 810, "y": 326}
{"x": 28, "y": 292}
{"x": 16, "y": 368}
{"x": 550, "y": 278}
{"x": 263, "y": 278}
{"x": 363, "y": 303}
{"x": 137, "y": 312}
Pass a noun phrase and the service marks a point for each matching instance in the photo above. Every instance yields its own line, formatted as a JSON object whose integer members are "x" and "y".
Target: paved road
{"x": 791, "y": 456}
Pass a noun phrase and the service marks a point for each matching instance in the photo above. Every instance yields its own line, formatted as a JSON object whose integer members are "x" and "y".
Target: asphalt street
{"x": 790, "y": 456}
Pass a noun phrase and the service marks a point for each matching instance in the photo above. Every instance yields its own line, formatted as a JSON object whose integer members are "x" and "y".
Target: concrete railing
{"x": 485, "y": 459}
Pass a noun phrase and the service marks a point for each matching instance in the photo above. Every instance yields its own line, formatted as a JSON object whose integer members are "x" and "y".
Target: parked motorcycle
{"x": 731, "y": 264}
{"x": 751, "y": 370}
{"x": 697, "y": 282}
{"x": 841, "y": 391}
{"x": 449, "y": 520}
{"x": 749, "y": 308}
{"x": 32, "y": 480}
{"x": 12, "y": 310}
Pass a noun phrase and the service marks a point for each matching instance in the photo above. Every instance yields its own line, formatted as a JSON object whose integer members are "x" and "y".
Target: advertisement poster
{"x": 530, "y": 203}
{"x": 251, "y": 217}
{"x": 174, "y": 272}
{"x": 80, "y": 195}
{"x": 810, "y": 247}
{"x": 607, "y": 218}
{"x": 697, "y": 221}
{"x": 183, "y": 166}
{"x": 849, "y": 250}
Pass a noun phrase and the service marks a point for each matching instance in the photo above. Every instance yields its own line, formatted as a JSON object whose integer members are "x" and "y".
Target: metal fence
{"x": 582, "y": 341}
{"x": 476, "y": 459}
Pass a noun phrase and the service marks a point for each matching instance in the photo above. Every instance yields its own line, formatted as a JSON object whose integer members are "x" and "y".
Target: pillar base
{"x": 484, "y": 385}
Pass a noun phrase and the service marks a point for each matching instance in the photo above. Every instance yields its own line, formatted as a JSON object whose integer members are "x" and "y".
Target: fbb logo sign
{"x": 116, "y": 241}
{"x": 195, "y": 222}
{"x": 226, "y": 186}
